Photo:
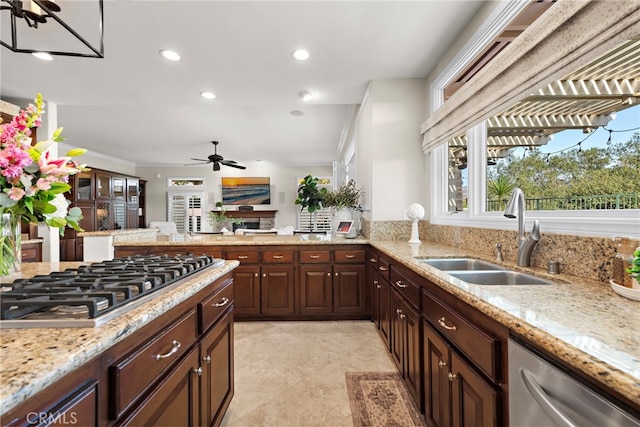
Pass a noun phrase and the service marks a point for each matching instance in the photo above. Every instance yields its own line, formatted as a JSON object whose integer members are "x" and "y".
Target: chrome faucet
{"x": 525, "y": 245}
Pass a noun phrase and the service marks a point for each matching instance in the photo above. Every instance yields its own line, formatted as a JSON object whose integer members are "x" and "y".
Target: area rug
{"x": 380, "y": 399}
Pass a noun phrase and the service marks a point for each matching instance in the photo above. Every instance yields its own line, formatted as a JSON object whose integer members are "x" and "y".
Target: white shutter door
{"x": 185, "y": 209}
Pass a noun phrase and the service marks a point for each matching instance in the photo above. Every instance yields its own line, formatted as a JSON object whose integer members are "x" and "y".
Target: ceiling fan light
{"x": 306, "y": 95}
{"x": 170, "y": 55}
{"x": 296, "y": 113}
{"x": 208, "y": 95}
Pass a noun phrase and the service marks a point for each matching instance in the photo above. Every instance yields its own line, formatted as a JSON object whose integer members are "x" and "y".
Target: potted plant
{"x": 634, "y": 268}
{"x": 310, "y": 196}
{"x": 217, "y": 219}
{"x": 345, "y": 201}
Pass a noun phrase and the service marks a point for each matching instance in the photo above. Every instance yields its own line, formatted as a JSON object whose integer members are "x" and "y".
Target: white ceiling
{"x": 135, "y": 105}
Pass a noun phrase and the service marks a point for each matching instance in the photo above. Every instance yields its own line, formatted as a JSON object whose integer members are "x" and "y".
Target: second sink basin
{"x": 498, "y": 278}
{"x": 456, "y": 264}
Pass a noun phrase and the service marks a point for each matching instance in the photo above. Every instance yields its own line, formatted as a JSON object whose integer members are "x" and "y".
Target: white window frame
{"x": 597, "y": 223}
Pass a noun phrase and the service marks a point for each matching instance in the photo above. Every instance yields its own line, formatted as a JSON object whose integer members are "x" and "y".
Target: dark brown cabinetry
{"x": 108, "y": 201}
{"x": 276, "y": 290}
{"x": 247, "y": 287}
{"x": 464, "y": 364}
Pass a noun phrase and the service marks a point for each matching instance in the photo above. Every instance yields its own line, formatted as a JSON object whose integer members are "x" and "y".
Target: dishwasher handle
{"x": 544, "y": 400}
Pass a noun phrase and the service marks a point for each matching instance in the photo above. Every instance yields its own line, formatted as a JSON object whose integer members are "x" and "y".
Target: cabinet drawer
{"x": 315, "y": 256}
{"x": 275, "y": 257}
{"x": 356, "y": 256}
{"x": 132, "y": 375}
{"x": 407, "y": 287}
{"x": 483, "y": 349}
{"x": 211, "y": 308}
{"x": 244, "y": 256}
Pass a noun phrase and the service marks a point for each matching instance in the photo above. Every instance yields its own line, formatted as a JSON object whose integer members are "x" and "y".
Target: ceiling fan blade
{"x": 201, "y": 160}
{"x": 200, "y": 163}
{"x": 234, "y": 165}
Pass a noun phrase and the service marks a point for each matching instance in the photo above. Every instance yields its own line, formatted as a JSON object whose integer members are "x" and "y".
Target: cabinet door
{"x": 246, "y": 279}
{"x": 175, "y": 401}
{"x": 118, "y": 187}
{"x": 384, "y": 310}
{"x": 217, "y": 371}
{"x": 474, "y": 402}
{"x": 412, "y": 362}
{"x": 104, "y": 218}
{"x": 437, "y": 408}
{"x": 84, "y": 187}
{"x": 103, "y": 186}
{"x": 315, "y": 289}
{"x": 276, "y": 289}
{"x": 119, "y": 215}
{"x": 349, "y": 289}
{"x": 396, "y": 336}
{"x": 132, "y": 191}
{"x": 132, "y": 216}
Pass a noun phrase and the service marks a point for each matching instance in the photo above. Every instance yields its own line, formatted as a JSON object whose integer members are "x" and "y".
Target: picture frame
{"x": 344, "y": 227}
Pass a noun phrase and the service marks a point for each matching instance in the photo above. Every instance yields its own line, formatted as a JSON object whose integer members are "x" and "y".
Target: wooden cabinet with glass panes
{"x": 109, "y": 201}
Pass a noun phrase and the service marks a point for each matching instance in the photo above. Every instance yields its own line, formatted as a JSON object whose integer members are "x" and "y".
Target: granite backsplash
{"x": 588, "y": 257}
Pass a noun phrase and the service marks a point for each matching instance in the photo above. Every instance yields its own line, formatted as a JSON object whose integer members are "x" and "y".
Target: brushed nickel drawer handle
{"x": 175, "y": 345}
{"x": 314, "y": 256}
{"x": 349, "y": 256}
{"x": 224, "y": 301}
{"x": 381, "y": 268}
{"x": 277, "y": 257}
{"x": 372, "y": 259}
{"x": 242, "y": 257}
{"x": 400, "y": 284}
{"x": 441, "y": 322}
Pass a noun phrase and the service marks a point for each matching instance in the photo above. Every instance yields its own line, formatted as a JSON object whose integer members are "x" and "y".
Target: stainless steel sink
{"x": 498, "y": 278}
{"x": 460, "y": 264}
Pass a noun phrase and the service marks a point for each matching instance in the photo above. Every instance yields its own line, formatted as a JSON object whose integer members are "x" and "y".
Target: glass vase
{"x": 10, "y": 245}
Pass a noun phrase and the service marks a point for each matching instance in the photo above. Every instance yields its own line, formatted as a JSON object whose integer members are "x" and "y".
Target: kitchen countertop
{"x": 238, "y": 240}
{"x": 582, "y": 322}
{"x": 33, "y": 359}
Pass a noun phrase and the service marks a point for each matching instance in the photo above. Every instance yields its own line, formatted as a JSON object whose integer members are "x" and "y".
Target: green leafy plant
{"x": 219, "y": 217}
{"x": 634, "y": 269}
{"x": 347, "y": 196}
{"x": 500, "y": 189}
{"x": 309, "y": 195}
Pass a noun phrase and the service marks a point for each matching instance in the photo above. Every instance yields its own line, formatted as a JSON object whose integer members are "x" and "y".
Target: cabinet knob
{"x": 452, "y": 376}
{"x": 378, "y": 286}
{"x": 329, "y": 274}
{"x": 398, "y": 311}
{"x": 375, "y": 282}
{"x": 381, "y": 268}
{"x": 336, "y": 274}
{"x": 198, "y": 371}
{"x": 255, "y": 275}
{"x": 442, "y": 322}
{"x": 402, "y": 316}
{"x": 207, "y": 359}
{"x": 442, "y": 364}
{"x": 372, "y": 259}
{"x": 264, "y": 274}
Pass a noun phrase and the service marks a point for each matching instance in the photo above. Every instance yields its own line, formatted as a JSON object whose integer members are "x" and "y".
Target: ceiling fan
{"x": 217, "y": 160}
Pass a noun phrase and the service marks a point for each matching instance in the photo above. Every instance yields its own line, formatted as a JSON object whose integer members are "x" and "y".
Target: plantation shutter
{"x": 185, "y": 209}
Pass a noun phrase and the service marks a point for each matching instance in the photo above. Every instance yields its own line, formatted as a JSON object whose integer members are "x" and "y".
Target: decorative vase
{"x": 10, "y": 245}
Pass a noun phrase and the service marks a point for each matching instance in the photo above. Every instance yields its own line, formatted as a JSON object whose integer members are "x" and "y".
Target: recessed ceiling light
{"x": 305, "y": 94}
{"x": 300, "y": 54}
{"x": 170, "y": 55}
{"x": 296, "y": 113}
{"x": 43, "y": 55}
{"x": 208, "y": 95}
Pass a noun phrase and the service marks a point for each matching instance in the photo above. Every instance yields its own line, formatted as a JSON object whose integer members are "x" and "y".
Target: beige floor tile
{"x": 291, "y": 374}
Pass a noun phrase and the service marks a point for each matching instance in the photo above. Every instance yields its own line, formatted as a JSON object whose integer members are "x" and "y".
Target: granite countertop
{"x": 32, "y": 359}
{"x": 582, "y": 322}
{"x": 117, "y": 232}
{"x": 238, "y": 240}
{"x": 25, "y": 241}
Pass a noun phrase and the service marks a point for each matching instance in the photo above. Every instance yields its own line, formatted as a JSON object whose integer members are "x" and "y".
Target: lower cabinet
{"x": 276, "y": 288}
{"x": 326, "y": 290}
{"x": 455, "y": 395}
{"x": 247, "y": 290}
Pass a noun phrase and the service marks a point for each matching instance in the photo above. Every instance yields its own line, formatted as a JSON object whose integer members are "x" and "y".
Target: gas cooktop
{"x": 91, "y": 295}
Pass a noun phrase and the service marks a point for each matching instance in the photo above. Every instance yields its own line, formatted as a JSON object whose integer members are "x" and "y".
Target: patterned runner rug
{"x": 380, "y": 399}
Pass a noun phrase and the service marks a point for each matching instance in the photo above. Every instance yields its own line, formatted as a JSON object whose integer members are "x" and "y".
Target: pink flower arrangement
{"x": 33, "y": 182}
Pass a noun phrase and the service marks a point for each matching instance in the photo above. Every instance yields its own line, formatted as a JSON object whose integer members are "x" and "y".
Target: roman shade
{"x": 569, "y": 35}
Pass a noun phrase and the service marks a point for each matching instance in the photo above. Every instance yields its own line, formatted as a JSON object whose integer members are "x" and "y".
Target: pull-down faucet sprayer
{"x": 515, "y": 209}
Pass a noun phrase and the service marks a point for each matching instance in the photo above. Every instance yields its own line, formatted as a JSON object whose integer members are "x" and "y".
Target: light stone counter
{"x": 236, "y": 240}
{"x": 581, "y": 322}
{"x": 32, "y": 359}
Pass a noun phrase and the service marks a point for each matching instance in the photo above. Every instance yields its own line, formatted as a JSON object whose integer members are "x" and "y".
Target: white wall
{"x": 390, "y": 137}
{"x": 283, "y": 187}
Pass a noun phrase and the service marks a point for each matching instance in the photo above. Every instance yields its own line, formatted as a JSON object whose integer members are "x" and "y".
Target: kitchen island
{"x": 36, "y": 358}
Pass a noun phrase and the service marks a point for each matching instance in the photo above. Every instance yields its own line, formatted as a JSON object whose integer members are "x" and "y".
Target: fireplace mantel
{"x": 250, "y": 214}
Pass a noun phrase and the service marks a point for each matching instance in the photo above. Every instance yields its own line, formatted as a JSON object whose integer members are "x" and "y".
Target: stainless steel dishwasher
{"x": 542, "y": 395}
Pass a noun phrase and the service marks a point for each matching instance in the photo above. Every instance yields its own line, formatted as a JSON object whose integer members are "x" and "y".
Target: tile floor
{"x": 291, "y": 374}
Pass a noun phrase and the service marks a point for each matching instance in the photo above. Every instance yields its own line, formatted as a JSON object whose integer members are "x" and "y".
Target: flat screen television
{"x": 246, "y": 191}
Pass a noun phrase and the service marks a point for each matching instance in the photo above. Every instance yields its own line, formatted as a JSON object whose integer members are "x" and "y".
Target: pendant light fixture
{"x": 29, "y": 25}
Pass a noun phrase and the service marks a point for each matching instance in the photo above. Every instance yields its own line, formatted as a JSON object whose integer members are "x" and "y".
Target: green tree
{"x": 500, "y": 189}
